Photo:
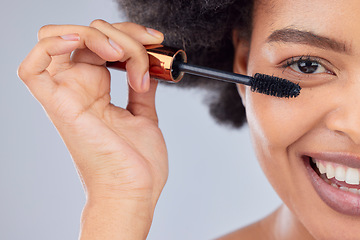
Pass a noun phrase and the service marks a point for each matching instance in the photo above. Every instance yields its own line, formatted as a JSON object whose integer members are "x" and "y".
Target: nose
{"x": 345, "y": 118}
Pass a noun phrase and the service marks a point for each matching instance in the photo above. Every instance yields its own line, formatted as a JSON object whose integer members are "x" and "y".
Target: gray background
{"x": 215, "y": 183}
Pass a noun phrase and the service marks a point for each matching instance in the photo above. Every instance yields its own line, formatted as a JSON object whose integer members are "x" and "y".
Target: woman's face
{"x": 315, "y": 44}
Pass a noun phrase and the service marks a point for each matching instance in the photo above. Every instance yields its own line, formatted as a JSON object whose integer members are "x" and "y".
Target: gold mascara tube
{"x": 161, "y": 60}
{"x": 170, "y": 64}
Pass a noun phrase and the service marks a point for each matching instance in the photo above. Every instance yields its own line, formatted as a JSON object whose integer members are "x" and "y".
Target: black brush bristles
{"x": 274, "y": 86}
{"x": 261, "y": 83}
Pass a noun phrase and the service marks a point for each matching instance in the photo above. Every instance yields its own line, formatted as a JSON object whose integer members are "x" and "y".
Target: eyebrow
{"x": 290, "y": 35}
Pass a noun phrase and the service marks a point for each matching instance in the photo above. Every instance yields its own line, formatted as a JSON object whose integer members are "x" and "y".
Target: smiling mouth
{"x": 338, "y": 185}
{"x": 339, "y": 176}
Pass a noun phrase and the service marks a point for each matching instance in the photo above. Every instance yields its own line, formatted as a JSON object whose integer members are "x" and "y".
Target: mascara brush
{"x": 169, "y": 64}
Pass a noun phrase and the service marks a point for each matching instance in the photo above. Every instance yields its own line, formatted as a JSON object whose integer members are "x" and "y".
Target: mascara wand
{"x": 260, "y": 83}
{"x": 170, "y": 64}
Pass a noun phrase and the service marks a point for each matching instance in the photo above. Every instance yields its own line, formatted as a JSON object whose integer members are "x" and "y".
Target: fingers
{"x": 91, "y": 39}
{"x": 143, "y": 104}
{"x": 53, "y": 53}
{"x": 135, "y": 55}
{"x": 95, "y": 45}
{"x": 126, "y": 41}
{"x": 143, "y": 35}
{"x": 86, "y": 56}
{"x": 140, "y": 103}
{"x": 33, "y": 69}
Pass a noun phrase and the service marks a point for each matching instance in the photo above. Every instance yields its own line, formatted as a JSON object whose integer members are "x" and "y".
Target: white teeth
{"x": 322, "y": 168}
{"x": 340, "y": 173}
{"x": 330, "y": 171}
{"x": 352, "y": 176}
{"x": 353, "y": 190}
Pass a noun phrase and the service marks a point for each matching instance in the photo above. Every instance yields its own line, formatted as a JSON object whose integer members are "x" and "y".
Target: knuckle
{"x": 142, "y": 50}
{"x": 22, "y": 72}
{"x": 43, "y": 31}
{"x": 136, "y": 51}
{"x": 138, "y": 58}
{"x": 139, "y": 50}
{"x": 97, "y": 23}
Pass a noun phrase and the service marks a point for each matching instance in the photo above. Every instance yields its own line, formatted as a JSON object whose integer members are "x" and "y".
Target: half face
{"x": 309, "y": 147}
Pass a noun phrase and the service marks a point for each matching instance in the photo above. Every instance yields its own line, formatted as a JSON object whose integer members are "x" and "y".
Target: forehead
{"x": 330, "y": 17}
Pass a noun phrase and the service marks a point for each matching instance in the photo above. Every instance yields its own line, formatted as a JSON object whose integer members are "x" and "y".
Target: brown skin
{"x": 324, "y": 118}
{"x": 124, "y": 170}
{"x": 120, "y": 154}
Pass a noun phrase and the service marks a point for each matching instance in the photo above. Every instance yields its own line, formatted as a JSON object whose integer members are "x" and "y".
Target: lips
{"x": 335, "y": 178}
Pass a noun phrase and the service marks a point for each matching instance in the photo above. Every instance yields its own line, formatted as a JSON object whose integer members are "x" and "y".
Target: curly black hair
{"x": 203, "y": 28}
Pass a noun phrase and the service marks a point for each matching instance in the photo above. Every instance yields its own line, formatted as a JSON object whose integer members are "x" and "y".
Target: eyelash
{"x": 293, "y": 60}
{"x": 309, "y": 58}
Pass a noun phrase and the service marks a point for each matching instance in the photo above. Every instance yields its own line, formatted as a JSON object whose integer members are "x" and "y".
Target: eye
{"x": 309, "y": 70}
{"x": 306, "y": 65}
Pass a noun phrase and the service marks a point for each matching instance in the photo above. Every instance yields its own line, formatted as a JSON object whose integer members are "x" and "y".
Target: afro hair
{"x": 203, "y": 28}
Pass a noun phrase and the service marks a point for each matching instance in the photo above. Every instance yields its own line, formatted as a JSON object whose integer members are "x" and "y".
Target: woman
{"x": 308, "y": 147}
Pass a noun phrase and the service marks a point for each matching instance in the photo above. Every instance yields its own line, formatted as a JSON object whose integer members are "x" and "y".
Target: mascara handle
{"x": 161, "y": 59}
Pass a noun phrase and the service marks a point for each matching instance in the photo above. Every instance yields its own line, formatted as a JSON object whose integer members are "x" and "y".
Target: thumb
{"x": 143, "y": 104}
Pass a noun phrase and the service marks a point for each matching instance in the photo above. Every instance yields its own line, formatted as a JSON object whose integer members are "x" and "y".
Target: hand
{"x": 119, "y": 153}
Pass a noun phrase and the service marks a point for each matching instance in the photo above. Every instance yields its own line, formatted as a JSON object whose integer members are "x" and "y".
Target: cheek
{"x": 276, "y": 125}
{"x": 278, "y": 122}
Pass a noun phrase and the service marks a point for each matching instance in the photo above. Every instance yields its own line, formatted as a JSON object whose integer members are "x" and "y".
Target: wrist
{"x": 116, "y": 219}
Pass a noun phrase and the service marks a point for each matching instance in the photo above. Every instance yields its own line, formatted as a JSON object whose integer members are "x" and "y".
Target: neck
{"x": 283, "y": 224}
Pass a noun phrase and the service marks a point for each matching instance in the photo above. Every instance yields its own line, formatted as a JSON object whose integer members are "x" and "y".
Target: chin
{"x": 320, "y": 188}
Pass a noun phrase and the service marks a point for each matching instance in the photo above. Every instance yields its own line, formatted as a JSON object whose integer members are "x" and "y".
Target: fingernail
{"x": 116, "y": 46}
{"x": 146, "y": 80}
{"x": 154, "y": 33}
{"x": 71, "y": 37}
